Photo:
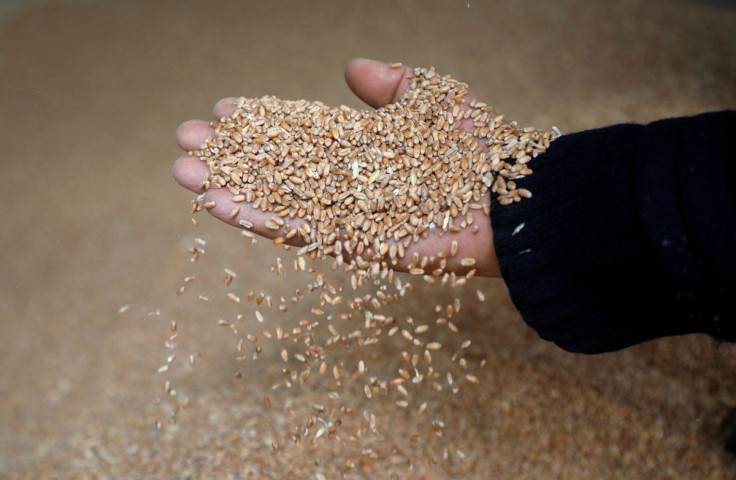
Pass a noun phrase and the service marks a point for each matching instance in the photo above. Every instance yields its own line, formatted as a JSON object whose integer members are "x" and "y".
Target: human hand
{"x": 377, "y": 84}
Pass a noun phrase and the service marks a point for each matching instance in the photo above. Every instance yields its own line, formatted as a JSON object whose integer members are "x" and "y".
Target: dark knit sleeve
{"x": 630, "y": 235}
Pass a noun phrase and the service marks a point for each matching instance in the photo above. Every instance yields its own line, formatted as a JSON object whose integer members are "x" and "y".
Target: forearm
{"x": 620, "y": 243}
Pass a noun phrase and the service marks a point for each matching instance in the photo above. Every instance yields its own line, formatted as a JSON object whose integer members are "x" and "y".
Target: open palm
{"x": 377, "y": 84}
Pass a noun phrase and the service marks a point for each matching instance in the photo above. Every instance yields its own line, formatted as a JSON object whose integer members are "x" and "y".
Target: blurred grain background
{"x": 90, "y": 95}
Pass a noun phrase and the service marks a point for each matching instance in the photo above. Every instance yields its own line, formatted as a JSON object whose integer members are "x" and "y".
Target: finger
{"x": 379, "y": 83}
{"x": 244, "y": 215}
{"x": 189, "y": 172}
{"x": 225, "y": 107}
{"x": 191, "y": 134}
{"x": 376, "y": 83}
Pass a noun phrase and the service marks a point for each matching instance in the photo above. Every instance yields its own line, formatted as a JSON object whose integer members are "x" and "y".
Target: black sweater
{"x": 630, "y": 235}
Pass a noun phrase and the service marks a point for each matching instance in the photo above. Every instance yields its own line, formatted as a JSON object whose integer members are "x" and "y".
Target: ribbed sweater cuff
{"x": 574, "y": 256}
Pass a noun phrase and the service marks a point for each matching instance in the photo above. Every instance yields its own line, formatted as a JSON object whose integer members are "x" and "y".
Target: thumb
{"x": 376, "y": 83}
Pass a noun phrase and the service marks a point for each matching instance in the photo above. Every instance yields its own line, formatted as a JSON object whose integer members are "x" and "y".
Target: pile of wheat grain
{"x": 363, "y": 188}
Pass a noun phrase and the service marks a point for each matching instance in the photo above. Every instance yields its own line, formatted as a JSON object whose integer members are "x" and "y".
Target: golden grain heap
{"x": 363, "y": 185}
{"x": 364, "y": 188}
